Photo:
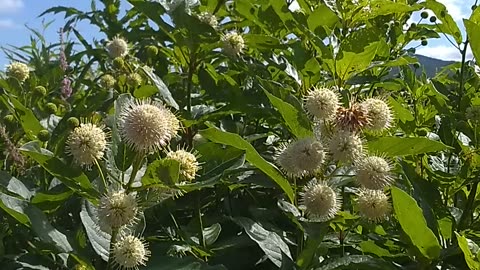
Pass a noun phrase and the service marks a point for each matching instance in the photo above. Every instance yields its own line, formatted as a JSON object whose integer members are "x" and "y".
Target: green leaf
{"x": 470, "y": 258}
{"x": 72, "y": 177}
{"x": 262, "y": 42}
{"x": 45, "y": 231}
{"x": 13, "y": 185}
{"x": 218, "y": 136}
{"x": 357, "y": 262}
{"x": 211, "y": 233}
{"x": 99, "y": 239}
{"x": 322, "y": 16}
{"x": 349, "y": 63}
{"x": 270, "y": 242}
{"x": 296, "y": 120}
{"x": 448, "y": 25}
{"x": 162, "y": 87}
{"x": 164, "y": 171}
{"x": 145, "y": 91}
{"x": 370, "y": 247}
{"x": 15, "y": 208}
{"x": 396, "y": 146}
{"x": 23, "y": 115}
{"x": 473, "y": 32}
{"x": 413, "y": 223}
{"x": 400, "y": 112}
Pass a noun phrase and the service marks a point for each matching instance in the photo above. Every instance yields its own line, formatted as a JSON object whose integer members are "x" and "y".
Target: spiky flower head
{"x": 130, "y": 252}
{"x": 322, "y": 103}
{"x": 189, "y": 165}
{"x": 352, "y": 118}
{"x": 18, "y": 70}
{"x": 379, "y": 114}
{"x": 233, "y": 43}
{"x": 302, "y": 157}
{"x": 373, "y": 204}
{"x": 319, "y": 201}
{"x": 134, "y": 79}
{"x": 117, "y": 209}
{"x": 473, "y": 114}
{"x": 117, "y": 47}
{"x": 373, "y": 172}
{"x": 209, "y": 19}
{"x": 147, "y": 125}
{"x": 107, "y": 81}
{"x": 86, "y": 143}
{"x": 345, "y": 146}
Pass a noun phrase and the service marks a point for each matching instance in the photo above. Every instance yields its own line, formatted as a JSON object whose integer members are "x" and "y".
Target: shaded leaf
{"x": 396, "y": 146}
{"x": 253, "y": 157}
{"x": 413, "y": 223}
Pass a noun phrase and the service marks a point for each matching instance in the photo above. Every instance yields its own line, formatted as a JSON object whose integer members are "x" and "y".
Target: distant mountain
{"x": 431, "y": 65}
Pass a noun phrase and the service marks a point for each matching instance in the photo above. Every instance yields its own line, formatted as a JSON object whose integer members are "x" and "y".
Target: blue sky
{"x": 15, "y": 14}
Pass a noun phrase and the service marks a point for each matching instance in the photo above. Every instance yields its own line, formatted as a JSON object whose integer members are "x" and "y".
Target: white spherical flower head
{"x": 233, "y": 43}
{"x": 373, "y": 172}
{"x": 302, "y": 157}
{"x": 19, "y": 71}
{"x": 189, "y": 165}
{"x": 319, "y": 201}
{"x": 208, "y": 18}
{"x": 345, "y": 146}
{"x": 86, "y": 143}
{"x": 117, "y": 47}
{"x": 378, "y": 113}
{"x": 373, "y": 204}
{"x": 147, "y": 126}
{"x": 130, "y": 252}
{"x": 117, "y": 209}
{"x": 322, "y": 103}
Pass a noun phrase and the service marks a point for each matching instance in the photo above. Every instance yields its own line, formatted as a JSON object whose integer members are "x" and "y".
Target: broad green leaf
{"x": 211, "y": 233}
{"x": 349, "y": 63}
{"x": 296, "y": 120}
{"x": 23, "y": 115}
{"x": 99, "y": 239}
{"x": 218, "y": 136}
{"x": 270, "y": 242}
{"x": 371, "y": 247}
{"x": 448, "y": 25}
{"x": 322, "y": 16}
{"x": 45, "y": 231}
{"x": 163, "y": 172}
{"x": 413, "y": 223}
{"x": 470, "y": 258}
{"x": 162, "y": 87}
{"x": 401, "y": 113}
{"x": 262, "y": 42}
{"x": 473, "y": 32}
{"x": 145, "y": 91}
{"x": 13, "y": 185}
{"x": 396, "y": 146}
{"x": 15, "y": 208}
{"x": 72, "y": 177}
{"x": 357, "y": 262}
{"x": 316, "y": 233}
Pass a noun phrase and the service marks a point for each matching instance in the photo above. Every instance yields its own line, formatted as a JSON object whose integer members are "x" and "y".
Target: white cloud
{"x": 444, "y": 52}
{"x": 10, "y": 5}
{"x": 7, "y": 24}
{"x": 458, "y": 9}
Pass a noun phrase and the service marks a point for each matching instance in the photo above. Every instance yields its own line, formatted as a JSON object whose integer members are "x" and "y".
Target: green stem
{"x": 468, "y": 211}
{"x": 200, "y": 221}
{"x": 462, "y": 73}
{"x": 100, "y": 171}
{"x": 112, "y": 243}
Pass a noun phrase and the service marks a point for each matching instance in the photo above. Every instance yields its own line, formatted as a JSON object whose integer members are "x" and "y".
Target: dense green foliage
{"x": 238, "y": 107}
